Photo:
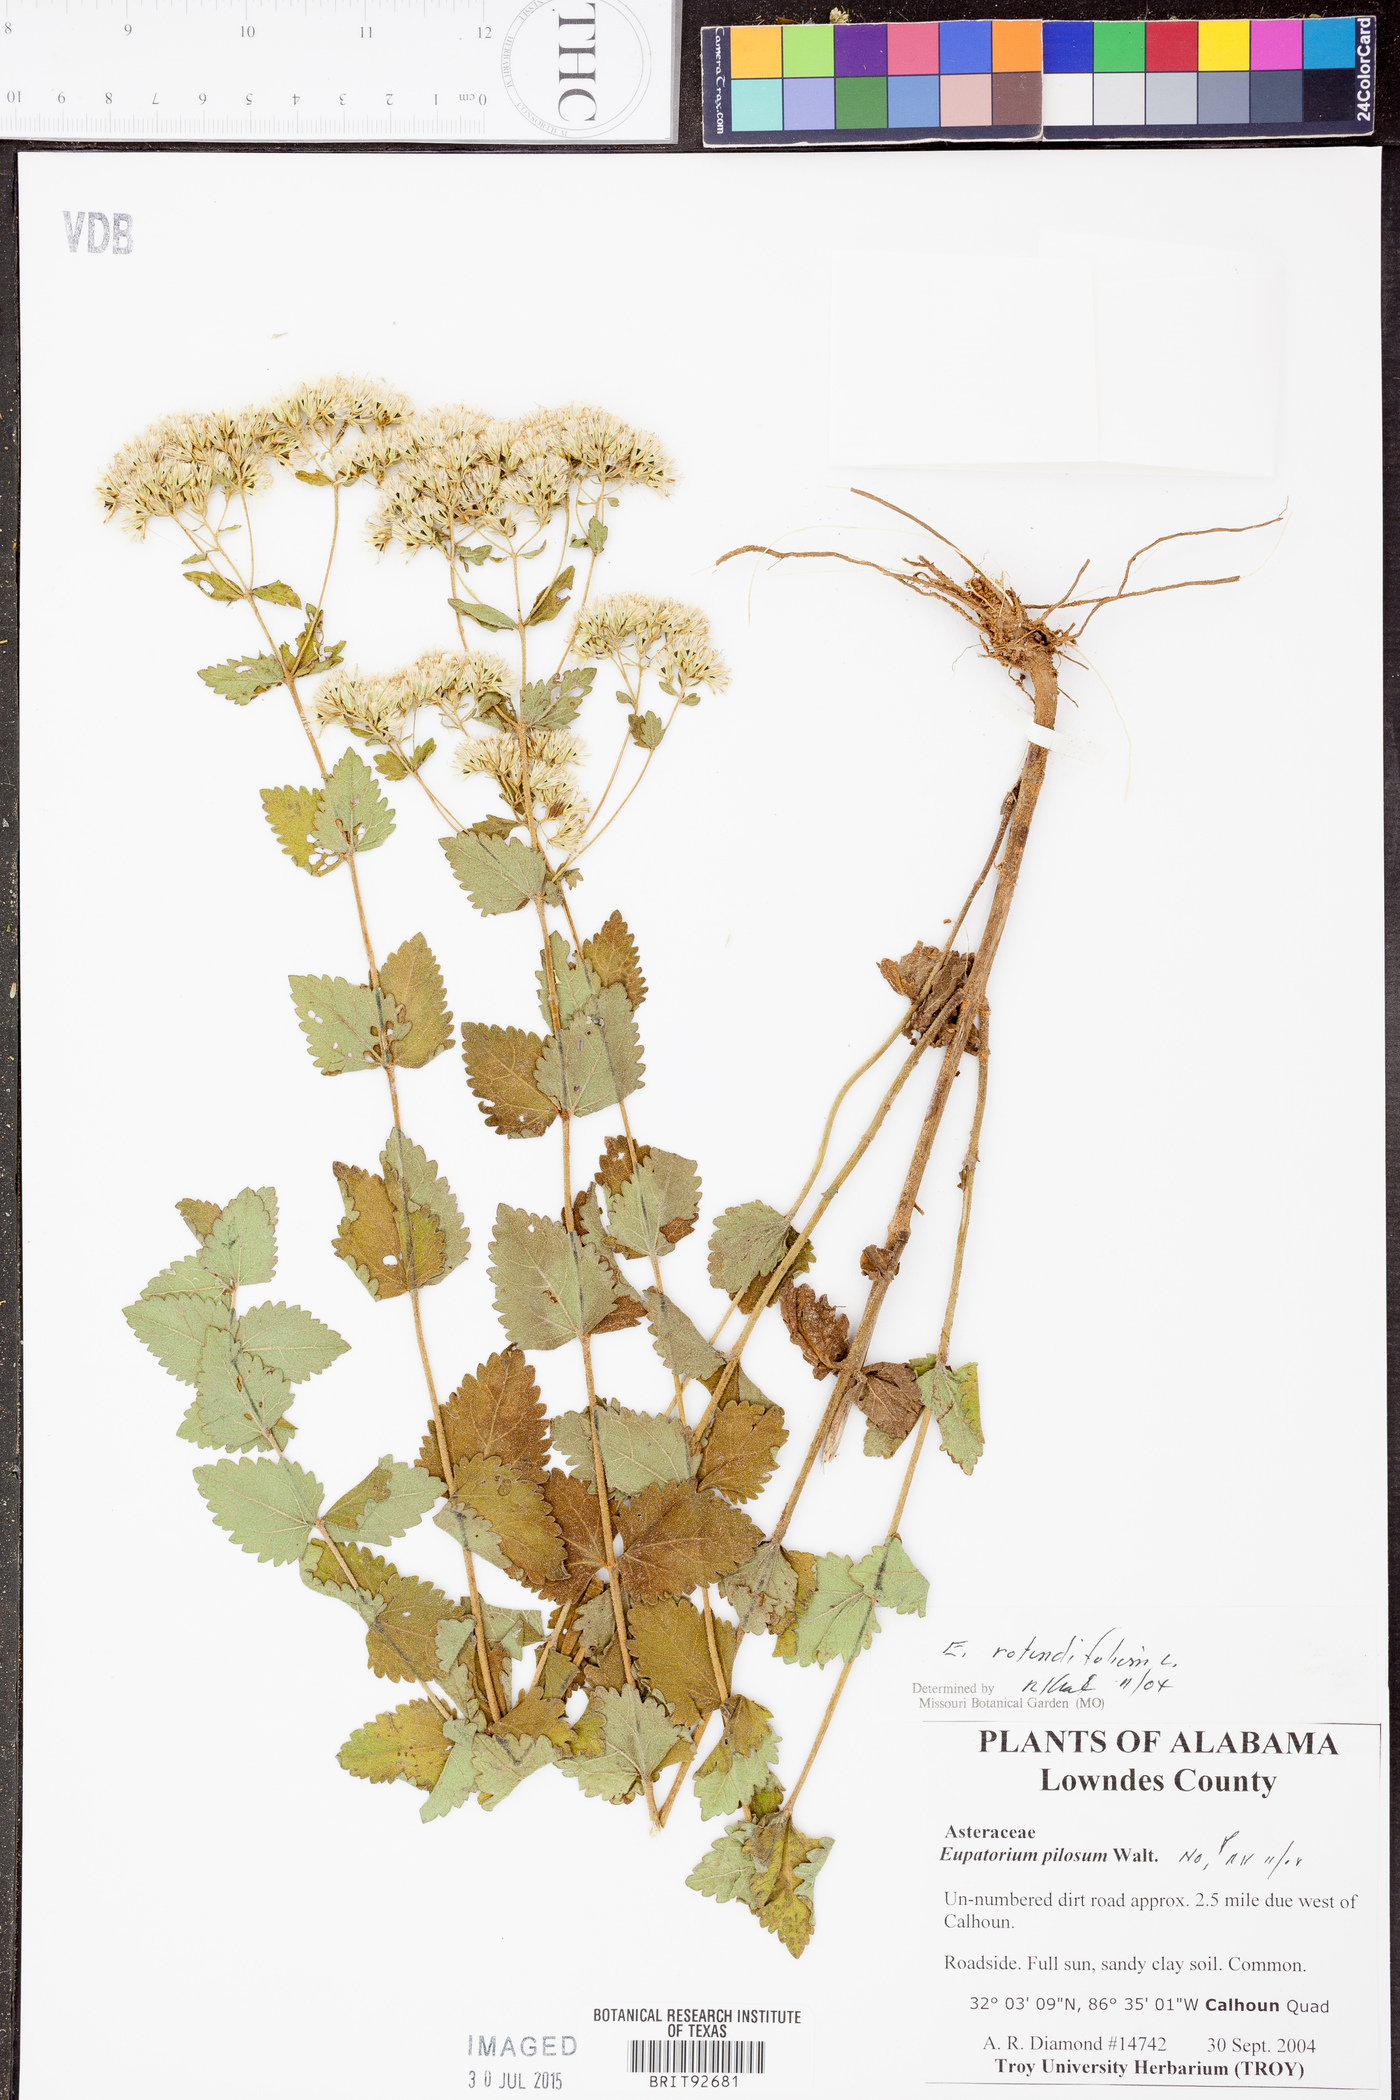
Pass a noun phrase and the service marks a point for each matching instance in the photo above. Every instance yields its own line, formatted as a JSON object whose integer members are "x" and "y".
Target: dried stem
{"x": 969, "y": 1171}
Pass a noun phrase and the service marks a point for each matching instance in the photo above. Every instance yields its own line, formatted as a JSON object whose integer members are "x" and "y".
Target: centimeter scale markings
{"x": 254, "y": 70}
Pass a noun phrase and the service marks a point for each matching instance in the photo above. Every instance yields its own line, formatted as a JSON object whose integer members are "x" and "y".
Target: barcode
{"x": 695, "y": 2056}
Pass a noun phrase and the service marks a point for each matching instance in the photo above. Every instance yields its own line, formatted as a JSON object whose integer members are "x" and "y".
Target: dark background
{"x": 697, "y": 15}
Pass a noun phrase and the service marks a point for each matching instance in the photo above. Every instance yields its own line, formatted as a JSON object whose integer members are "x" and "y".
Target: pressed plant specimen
{"x": 629, "y": 1522}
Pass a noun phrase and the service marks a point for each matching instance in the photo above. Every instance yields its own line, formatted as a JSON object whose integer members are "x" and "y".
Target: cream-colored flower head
{"x": 335, "y": 425}
{"x": 554, "y": 789}
{"x": 458, "y": 684}
{"x": 653, "y": 634}
{"x": 180, "y": 463}
{"x": 601, "y": 449}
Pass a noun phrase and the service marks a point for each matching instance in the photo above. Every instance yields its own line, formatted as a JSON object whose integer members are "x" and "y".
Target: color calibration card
{"x": 845, "y": 84}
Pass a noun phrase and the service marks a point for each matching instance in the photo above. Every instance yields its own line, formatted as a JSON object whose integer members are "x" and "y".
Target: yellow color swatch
{"x": 757, "y": 54}
{"x": 1223, "y": 47}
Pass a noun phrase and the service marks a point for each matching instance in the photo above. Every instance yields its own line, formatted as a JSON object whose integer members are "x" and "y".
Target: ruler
{"x": 529, "y": 72}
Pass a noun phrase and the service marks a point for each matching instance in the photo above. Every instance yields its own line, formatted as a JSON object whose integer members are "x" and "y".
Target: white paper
{"x": 1145, "y": 353}
{"x": 1174, "y": 1279}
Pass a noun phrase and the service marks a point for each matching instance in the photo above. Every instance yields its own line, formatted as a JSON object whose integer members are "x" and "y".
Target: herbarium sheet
{"x": 702, "y": 1086}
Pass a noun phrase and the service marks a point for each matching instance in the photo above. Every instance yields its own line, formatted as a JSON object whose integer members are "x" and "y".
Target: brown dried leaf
{"x": 676, "y": 1537}
{"x": 201, "y": 1217}
{"x": 613, "y": 954}
{"x": 401, "y": 1641}
{"x": 605, "y": 1671}
{"x": 671, "y": 1651}
{"x": 742, "y": 1449}
{"x": 804, "y": 1565}
{"x": 497, "y": 1414}
{"x": 888, "y": 1396}
{"x": 820, "y": 1332}
{"x": 370, "y": 1241}
{"x": 531, "y": 1544}
{"x": 407, "y": 1743}
{"x": 500, "y": 1066}
{"x": 412, "y": 977}
{"x": 910, "y": 977}
{"x": 535, "y": 1713}
{"x": 574, "y": 1506}
{"x": 615, "y": 1165}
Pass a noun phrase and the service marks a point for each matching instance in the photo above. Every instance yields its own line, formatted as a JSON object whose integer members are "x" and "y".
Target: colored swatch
{"x": 848, "y": 83}
{"x": 1127, "y": 79}
{"x": 853, "y": 80}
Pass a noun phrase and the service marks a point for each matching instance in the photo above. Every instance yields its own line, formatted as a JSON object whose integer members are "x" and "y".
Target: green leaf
{"x": 198, "y": 1215}
{"x": 504, "y": 1761}
{"x": 267, "y": 1505}
{"x": 289, "y": 1340}
{"x": 475, "y": 555}
{"x": 242, "y": 678}
{"x": 348, "y": 1027}
{"x": 237, "y": 1399}
{"x": 576, "y": 984}
{"x": 215, "y": 586}
{"x": 423, "y": 1188}
{"x": 277, "y": 594}
{"x": 552, "y": 703}
{"x": 888, "y": 1576}
{"x": 637, "y": 1449}
{"x": 839, "y": 1618}
{"x": 550, "y": 1287}
{"x": 957, "y": 1410}
{"x": 596, "y": 536}
{"x": 292, "y": 812}
{"x": 408, "y": 1743}
{"x": 484, "y": 615}
{"x": 242, "y": 1244}
{"x": 386, "y": 1503}
{"x": 457, "y": 1778}
{"x": 656, "y": 1206}
{"x": 647, "y": 730}
{"x": 174, "y": 1329}
{"x": 498, "y": 874}
{"x": 637, "y": 1733}
{"x": 678, "y": 1341}
{"x": 763, "y": 1591}
{"x": 500, "y": 1066}
{"x": 747, "y": 1241}
{"x": 739, "y": 1761}
{"x": 352, "y": 812}
{"x": 513, "y": 1630}
{"x": 395, "y": 768}
{"x": 552, "y": 599}
{"x": 595, "y": 1060}
{"x": 413, "y": 981}
{"x": 308, "y": 654}
{"x": 190, "y": 1277}
{"x": 878, "y": 1443}
{"x": 726, "y": 1871}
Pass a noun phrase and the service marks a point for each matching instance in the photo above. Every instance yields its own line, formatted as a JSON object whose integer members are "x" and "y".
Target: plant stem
{"x": 289, "y": 680}
{"x": 969, "y": 1172}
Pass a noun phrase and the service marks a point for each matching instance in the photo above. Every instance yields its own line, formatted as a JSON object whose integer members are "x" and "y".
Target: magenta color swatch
{"x": 913, "y": 47}
{"x": 1275, "y": 47}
